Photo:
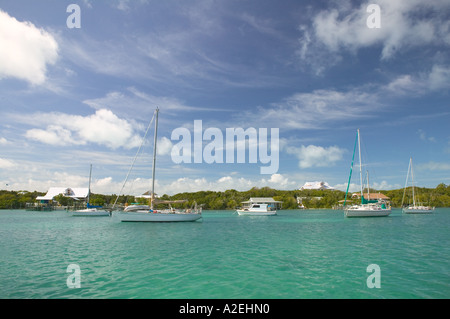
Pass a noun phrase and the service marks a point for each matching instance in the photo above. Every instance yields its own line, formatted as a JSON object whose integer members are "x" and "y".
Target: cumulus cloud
{"x": 103, "y": 128}
{"x": 224, "y": 183}
{"x": 316, "y": 156}
{"x": 164, "y": 146}
{"x": 25, "y": 50}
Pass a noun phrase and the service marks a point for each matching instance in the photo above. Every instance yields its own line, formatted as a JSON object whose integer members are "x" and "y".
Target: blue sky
{"x": 71, "y": 97}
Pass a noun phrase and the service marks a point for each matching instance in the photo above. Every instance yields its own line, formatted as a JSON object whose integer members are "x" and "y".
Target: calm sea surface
{"x": 296, "y": 254}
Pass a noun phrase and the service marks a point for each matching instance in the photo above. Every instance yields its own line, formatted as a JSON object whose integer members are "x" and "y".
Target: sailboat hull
{"x": 146, "y": 216}
{"x": 361, "y": 212}
{"x": 418, "y": 210}
{"x": 90, "y": 212}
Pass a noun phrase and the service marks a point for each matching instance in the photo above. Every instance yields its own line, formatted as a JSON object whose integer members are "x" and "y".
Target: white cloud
{"x": 423, "y": 136}
{"x": 316, "y": 110}
{"x": 133, "y": 101}
{"x": 280, "y": 180}
{"x": 25, "y": 50}
{"x": 384, "y": 185}
{"x": 404, "y": 24}
{"x": 437, "y": 78}
{"x": 53, "y": 135}
{"x": 316, "y": 156}
{"x": 7, "y": 164}
{"x": 4, "y": 141}
{"x": 343, "y": 187}
{"x": 103, "y": 128}
{"x": 434, "y": 166}
{"x": 164, "y": 146}
{"x": 185, "y": 184}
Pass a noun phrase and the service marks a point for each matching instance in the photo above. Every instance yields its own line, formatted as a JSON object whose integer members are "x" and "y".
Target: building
{"x": 46, "y": 202}
{"x": 75, "y": 193}
{"x": 371, "y": 196}
{"x": 148, "y": 194}
{"x": 262, "y": 200}
{"x": 316, "y": 185}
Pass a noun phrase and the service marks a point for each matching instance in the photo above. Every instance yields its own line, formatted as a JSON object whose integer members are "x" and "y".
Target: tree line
{"x": 231, "y": 199}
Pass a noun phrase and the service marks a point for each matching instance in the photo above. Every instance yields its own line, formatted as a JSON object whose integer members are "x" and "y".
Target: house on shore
{"x": 371, "y": 196}
{"x": 46, "y": 202}
{"x": 316, "y": 185}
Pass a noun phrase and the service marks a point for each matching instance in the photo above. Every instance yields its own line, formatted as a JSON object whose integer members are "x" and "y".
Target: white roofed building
{"x": 316, "y": 185}
{"x": 75, "y": 193}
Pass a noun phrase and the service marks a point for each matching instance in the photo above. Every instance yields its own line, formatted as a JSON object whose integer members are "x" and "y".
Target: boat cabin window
{"x": 256, "y": 206}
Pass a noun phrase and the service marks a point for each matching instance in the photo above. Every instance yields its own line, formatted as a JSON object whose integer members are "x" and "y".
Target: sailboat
{"x": 367, "y": 208}
{"x": 165, "y": 215}
{"x": 90, "y": 210}
{"x": 414, "y": 208}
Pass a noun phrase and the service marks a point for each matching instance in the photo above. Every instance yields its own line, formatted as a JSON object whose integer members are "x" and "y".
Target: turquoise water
{"x": 296, "y": 254}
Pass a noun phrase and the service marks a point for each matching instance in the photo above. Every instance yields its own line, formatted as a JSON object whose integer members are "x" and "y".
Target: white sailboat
{"x": 367, "y": 208}
{"x": 414, "y": 208}
{"x": 165, "y": 215}
{"x": 90, "y": 210}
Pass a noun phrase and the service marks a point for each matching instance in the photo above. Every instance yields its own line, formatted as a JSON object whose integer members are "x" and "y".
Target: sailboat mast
{"x": 360, "y": 166}
{"x": 89, "y": 189}
{"x": 351, "y": 170}
{"x": 368, "y": 186}
{"x": 406, "y": 182}
{"x": 154, "y": 160}
{"x": 412, "y": 179}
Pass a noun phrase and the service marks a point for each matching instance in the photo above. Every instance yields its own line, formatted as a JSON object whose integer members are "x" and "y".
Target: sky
{"x": 79, "y": 86}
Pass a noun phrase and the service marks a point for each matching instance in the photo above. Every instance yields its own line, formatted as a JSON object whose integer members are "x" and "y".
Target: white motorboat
{"x": 257, "y": 210}
{"x": 156, "y": 215}
{"x": 414, "y": 208}
{"x": 367, "y": 208}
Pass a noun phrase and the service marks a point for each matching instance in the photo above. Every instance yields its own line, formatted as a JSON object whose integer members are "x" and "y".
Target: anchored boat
{"x": 414, "y": 208}
{"x": 367, "y": 208}
{"x": 155, "y": 215}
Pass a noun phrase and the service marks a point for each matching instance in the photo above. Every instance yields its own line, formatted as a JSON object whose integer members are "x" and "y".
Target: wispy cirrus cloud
{"x": 434, "y": 166}
{"x": 6, "y": 163}
{"x": 132, "y": 101}
{"x": 317, "y": 109}
{"x": 437, "y": 78}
